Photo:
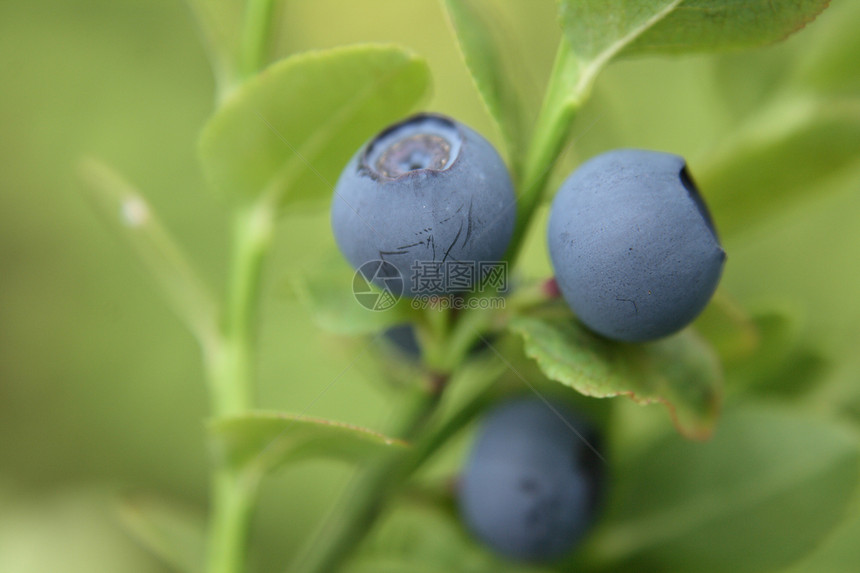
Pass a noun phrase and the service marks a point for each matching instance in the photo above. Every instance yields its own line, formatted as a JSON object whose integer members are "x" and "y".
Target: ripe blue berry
{"x": 424, "y": 191}
{"x": 634, "y": 249}
{"x": 532, "y": 483}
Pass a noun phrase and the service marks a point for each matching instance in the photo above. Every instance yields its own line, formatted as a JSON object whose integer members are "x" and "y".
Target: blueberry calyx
{"x": 423, "y": 142}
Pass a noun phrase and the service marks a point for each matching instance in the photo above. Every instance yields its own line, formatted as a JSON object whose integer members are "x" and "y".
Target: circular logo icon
{"x": 377, "y": 285}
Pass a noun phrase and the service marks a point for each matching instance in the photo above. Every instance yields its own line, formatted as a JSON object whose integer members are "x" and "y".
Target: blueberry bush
{"x": 585, "y": 398}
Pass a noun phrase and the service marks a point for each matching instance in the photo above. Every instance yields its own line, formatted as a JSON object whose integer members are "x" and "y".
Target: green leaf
{"x": 680, "y": 372}
{"x": 288, "y": 132}
{"x": 763, "y": 492}
{"x": 727, "y": 327}
{"x": 779, "y": 330}
{"x": 700, "y": 25}
{"x": 333, "y": 306}
{"x": 265, "y": 440}
{"x": 749, "y": 81}
{"x": 598, "y": 29}
{"x": 821, "y": 62}
{"x": 392, "y": 565}
{"x": 784, "y": 364}
{"x": 828, "y": 62}
{"x": 174, "y": 533}
{"x": 417, "y": 539}
{"x": 840, "y": 553}
{"x": 484, "y": 42}
{"x": 68, "y": 529}
{"x": 802, "y": 371}
{"x": 779, "y": 158}
{"x": 129, "y": 214}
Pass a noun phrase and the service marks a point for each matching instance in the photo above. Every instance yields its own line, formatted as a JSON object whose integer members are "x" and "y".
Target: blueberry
{"x": 532, "y": 483}
{"x": 424, "y": 192}
{"x": 634, "y": 249}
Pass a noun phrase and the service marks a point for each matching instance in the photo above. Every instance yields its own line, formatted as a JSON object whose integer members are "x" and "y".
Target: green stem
{"x": 232, "y": 368}
{"x": 234, "y": 495}
{"x": 218, "y": 49}
{"x": 231, "y": 374}
{"x": 434, "y": 440}
{"x": 230, "y": 361}
{"x": 256, "y": 30}
{"x": 470, "y": 326}
{"x": 433, "y": 330}
{"x": 366, "y": 498}
{"x": 568, "y": 86}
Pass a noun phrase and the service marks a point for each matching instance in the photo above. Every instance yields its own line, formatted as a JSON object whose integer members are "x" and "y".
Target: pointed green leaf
{"x": 266, "y": 440}
{"x": 598, "y": 30}
{"x": 129, "y": 214}
{"x": 700, "y": 25}
{"x": 483, "y": 42}
{"x": 288, "y": 132}
{"x": 765, "y": 491}
{"x": 778, "y": 158}
{"x": 175, "y": 533}
{"x": 680, "y": 372}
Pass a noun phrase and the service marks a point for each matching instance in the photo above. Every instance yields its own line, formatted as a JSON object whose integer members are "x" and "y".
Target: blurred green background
{"x": 101, "y": 389}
